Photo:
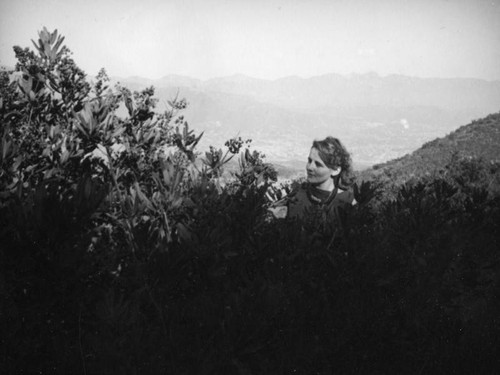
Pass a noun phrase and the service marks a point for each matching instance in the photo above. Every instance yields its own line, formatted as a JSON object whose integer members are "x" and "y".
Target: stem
{"x": 80, "y": 340}
{"x": 29, "y": 118}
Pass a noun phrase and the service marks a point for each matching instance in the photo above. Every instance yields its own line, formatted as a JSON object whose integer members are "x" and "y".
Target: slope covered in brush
{"x": 473, "y": 146}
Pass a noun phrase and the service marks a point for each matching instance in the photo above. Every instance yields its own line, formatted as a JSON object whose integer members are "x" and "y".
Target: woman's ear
{"x": 336, "y": 171}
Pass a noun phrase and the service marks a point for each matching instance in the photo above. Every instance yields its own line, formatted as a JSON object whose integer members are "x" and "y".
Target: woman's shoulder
{"x": 345, "y": 193}
{"x": 298, "y": 192}
{"x": 293, "y": 189}
{"x": 289, "y": 202}
{"x": 346, "y": 196}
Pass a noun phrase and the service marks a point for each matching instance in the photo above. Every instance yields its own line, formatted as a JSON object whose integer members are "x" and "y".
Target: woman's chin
{"x": 314, "y": 181}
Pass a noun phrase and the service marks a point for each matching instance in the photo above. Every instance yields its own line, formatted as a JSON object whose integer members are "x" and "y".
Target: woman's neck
{"x": 327, "y": 185}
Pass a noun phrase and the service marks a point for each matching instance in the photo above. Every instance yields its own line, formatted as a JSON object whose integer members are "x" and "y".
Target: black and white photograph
{"x": 250, "y": 187}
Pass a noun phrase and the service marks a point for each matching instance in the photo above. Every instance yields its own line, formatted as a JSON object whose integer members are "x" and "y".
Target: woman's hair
{"x": 335, "y": 155}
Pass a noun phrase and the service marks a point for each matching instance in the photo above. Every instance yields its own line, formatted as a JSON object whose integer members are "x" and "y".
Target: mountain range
{"x": 377, "y": 118}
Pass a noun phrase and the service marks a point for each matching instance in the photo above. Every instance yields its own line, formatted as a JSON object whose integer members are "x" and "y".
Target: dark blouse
{"x": 319, "y": 207}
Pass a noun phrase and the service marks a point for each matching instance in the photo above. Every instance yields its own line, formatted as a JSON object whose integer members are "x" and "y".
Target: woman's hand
{"x": 279, "y": 212}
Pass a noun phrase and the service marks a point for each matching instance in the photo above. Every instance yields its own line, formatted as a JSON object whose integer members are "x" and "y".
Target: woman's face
{"x": 317, "y": 172}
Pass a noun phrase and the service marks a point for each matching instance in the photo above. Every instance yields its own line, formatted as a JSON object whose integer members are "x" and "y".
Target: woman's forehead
{"x": 314, "y": 155}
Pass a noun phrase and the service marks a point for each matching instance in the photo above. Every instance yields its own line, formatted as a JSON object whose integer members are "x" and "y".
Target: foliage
{"x": 121, "y": 253}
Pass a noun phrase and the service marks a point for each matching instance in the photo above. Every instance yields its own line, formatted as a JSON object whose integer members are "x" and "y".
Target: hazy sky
{"x": 265, "y": 38}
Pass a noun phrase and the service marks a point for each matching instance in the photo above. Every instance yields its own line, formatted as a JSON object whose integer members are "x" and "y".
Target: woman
{"x": 327, "y": 190}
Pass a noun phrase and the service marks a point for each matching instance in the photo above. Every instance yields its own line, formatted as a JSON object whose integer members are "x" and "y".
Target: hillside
{"x": 479, "y": 140}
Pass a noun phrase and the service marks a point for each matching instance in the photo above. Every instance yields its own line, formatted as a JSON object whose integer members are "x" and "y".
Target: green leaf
{"x": 53, "y": 37}
{"x": 5, "y": 148}
{"x": 17, "y": 163}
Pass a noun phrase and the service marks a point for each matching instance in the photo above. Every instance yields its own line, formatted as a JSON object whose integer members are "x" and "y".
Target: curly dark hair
{"x": 335, "y": 155}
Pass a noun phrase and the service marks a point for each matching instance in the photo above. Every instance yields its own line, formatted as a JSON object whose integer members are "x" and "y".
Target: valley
{"x": 377, "y": 118}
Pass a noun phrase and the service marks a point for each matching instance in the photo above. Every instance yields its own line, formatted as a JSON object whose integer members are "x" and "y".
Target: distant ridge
{"x": 334, "y": 92}
{"x": 244, "y": 77}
